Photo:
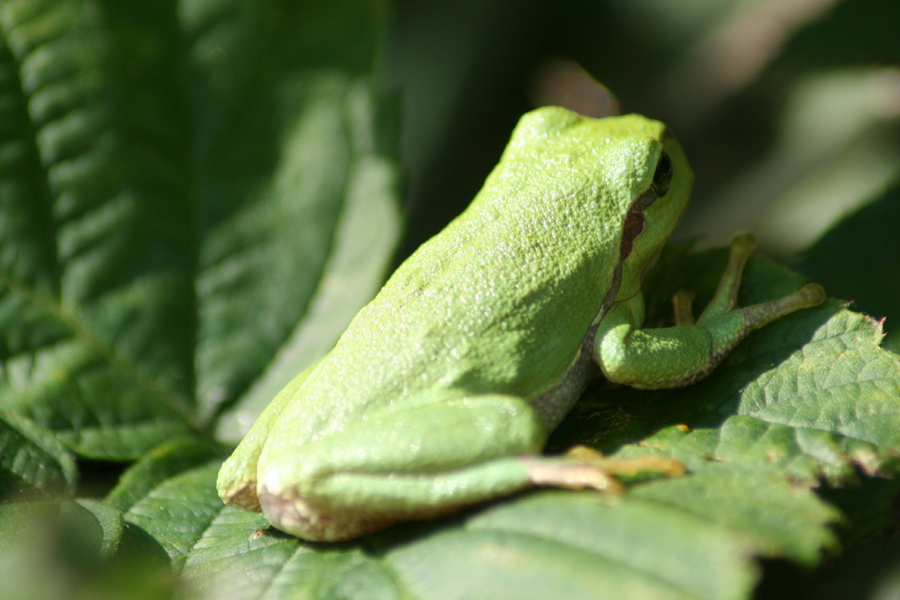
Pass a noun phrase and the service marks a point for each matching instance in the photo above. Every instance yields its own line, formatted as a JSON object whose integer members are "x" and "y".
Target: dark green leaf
{"x": 183, "y": 184}
{"x": 98, "y": 258}
{"x": 808, "y": 398}
{"x": 164, "y": 462}
{"x": 177, "y": 511}
{"x": 859, "y": 258}
{"x": 32, "y": 461}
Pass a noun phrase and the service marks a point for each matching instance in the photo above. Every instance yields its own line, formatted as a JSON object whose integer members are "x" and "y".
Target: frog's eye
{"x": 663, "y": 175}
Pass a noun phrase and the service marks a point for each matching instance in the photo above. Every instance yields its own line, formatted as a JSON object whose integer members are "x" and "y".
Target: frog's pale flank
{"x": 442, "y": 391}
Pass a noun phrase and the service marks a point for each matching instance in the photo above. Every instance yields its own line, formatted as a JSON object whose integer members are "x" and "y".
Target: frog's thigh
{"x": 410, "y": 464}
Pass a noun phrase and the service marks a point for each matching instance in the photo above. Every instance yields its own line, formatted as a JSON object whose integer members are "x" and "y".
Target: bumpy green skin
{"x": 432, "y": 399}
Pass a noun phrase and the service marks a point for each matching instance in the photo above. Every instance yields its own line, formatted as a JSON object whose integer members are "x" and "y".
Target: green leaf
{"x": 271, "y": 564}
{"x": 583, "y": 545}
{"x": 690, "y": 556}
{"x": 184, "y": 185}
{"x": 33, "y": 463}
{"x": 574, "y": 543}
{"x": 158, "y": 465}
{"x": 177, "y": 511}
{"x": 774, "y": 517}
{"x": 365, "y": 234}
{"x": 96, "y": 257}
{"x": 110, "y": 521}
{"x": 777, "y": 418}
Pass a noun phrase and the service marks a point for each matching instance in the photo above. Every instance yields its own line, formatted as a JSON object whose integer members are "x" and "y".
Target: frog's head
{"x": 632, "y": 168}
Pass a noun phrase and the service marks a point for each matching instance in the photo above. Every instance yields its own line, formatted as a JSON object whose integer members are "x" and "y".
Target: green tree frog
{"x": 441, "y": 393}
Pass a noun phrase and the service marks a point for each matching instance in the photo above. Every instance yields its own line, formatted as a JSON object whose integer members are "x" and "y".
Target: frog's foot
{"x": 725, "y": 299}
{"x": 582, "y": 467}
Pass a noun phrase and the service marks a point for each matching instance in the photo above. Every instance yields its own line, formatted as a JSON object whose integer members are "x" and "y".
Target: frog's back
{"x": 497, "y": 302}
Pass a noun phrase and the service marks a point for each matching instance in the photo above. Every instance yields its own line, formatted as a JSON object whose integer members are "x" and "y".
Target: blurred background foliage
{"x": 789, "y": 110}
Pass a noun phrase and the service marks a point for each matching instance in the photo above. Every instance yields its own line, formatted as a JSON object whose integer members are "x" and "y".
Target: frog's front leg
{"x": 680, "y": 355}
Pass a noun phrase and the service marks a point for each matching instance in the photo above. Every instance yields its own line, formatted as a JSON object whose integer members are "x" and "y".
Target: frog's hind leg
{"x": 441, "y": 455}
